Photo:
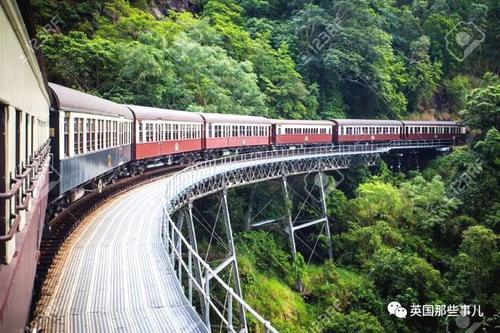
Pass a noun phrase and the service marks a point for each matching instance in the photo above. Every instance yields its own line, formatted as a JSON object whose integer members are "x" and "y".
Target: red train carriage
{"x": 230, "y": 131}
{"x": 428, "y": 130}
{"x": 301, "y": 131}
{"x": 162, "y": 132}
{"x": 370, "y": 130}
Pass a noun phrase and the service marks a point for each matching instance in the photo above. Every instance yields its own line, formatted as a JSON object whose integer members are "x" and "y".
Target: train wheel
{"x": 100, "y": 186}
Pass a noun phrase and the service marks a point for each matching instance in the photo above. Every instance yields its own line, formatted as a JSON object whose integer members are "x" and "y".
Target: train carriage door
{"x": 274, "y": 133}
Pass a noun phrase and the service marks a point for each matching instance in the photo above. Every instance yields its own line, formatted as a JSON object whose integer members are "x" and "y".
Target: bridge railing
{"x": 179, "y": 249}
{"x": 199, "y": 171}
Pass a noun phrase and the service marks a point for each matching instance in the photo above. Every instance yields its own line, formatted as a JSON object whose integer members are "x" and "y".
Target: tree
{"x": 354, "y": 321}
{"x": 477, "y": 265}
{"x": 377, "y": 201}
{"x": 482, "y": 109}
{"x": 424, "y": 74}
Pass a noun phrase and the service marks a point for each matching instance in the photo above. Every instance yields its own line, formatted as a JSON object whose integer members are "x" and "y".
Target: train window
{"x": 98, "y": 134}
{"x": 80, "y": 135}
{"x": 27, "y": 136}
{"x": 104, "y": 131}
{"x": 66, "y": 136}
{"x": 149, "y": 132}
{"x": 87, "y": 131}
{"x": 75, "y": 135}
{"x": 121, "y": 130}
{"x": 96, "y": 139}
{"x": 108, "y": 133}
{"x": 105, "y": 134}
{"x": 101, "y": 134}
{"x": 115, "y": 137}
{"x": 92, "y": 136}
{"x": 129, "y": 132}
{"x": 169, "y": 131}
{"x": 123, "y": 136}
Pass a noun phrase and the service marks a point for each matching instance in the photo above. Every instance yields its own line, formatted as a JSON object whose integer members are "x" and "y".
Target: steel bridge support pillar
{"x": 325, "y": 214}
{"x": 289, "y": 228}
{"x": 188, "y": 213}
{"x": 234, "y": 262}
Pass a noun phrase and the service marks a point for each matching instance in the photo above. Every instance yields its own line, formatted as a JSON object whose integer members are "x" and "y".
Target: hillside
{"x": 290, "y": 59}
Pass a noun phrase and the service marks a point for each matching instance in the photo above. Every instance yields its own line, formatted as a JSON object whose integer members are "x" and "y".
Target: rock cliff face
{"x": 160, "y": 8}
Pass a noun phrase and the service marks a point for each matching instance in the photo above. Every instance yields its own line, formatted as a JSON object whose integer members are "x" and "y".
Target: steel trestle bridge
{"x": 194, "y": 273}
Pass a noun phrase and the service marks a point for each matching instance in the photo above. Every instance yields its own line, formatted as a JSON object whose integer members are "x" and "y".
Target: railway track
{"x": 65, "y": 223}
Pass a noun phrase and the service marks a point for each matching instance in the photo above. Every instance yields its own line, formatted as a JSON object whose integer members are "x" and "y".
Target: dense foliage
{"x": 428, "y": 237}
{"x": 290, "y": 59}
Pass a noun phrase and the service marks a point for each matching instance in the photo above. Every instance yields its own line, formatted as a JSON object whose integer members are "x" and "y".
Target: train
{"x": 96, "y": 141}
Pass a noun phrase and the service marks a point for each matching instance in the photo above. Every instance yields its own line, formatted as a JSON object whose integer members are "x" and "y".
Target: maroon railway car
{"x": 428, "y": 130}
{"x": 304, "y": 132}
{"x": 235, "y": 131}
{"x": 367, "y": 130}
{"x": 163, "y": 132}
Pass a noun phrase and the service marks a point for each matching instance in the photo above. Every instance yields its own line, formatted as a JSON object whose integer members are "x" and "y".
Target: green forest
{"x": 428, "y": 236}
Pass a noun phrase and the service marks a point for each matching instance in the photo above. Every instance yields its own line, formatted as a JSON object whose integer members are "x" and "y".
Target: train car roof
{"x": 367, "y": 122}
{"x": 72, "y": 100}
{"x": 301, "y": 122}
{"x": 234, "y": 118}
{"x": 151, "y": 113}
{"x": 430, "y": 122}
